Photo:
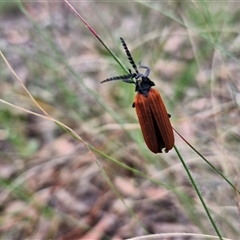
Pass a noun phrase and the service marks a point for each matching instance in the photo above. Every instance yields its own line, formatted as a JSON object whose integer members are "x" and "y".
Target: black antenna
{"x": 129, "y": 77}
{"x": 125, "y": 78}
{"x": 129, "y": 55}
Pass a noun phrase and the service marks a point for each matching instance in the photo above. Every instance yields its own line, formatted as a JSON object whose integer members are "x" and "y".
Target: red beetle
{"x": 152, "y": 115}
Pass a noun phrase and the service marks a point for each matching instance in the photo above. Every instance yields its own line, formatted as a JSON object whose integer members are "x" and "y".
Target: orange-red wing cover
{"x": 154, "y": 121}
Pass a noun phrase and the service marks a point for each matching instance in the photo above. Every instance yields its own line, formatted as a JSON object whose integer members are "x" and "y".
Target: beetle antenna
{"x": 125, "y": 78}
{"x": 129, "y": 55}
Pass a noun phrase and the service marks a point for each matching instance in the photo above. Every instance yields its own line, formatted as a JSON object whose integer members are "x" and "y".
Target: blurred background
{"x": 53, "y": 186}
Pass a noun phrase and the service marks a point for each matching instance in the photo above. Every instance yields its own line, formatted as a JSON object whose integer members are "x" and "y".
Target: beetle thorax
{"x": 143, "y": 85}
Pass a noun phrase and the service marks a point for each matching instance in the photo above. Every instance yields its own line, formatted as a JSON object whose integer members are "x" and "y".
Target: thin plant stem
{"x": 217, "y": 171}
{"x": 198, "y": 193}
{"x": 98, "y": 37}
